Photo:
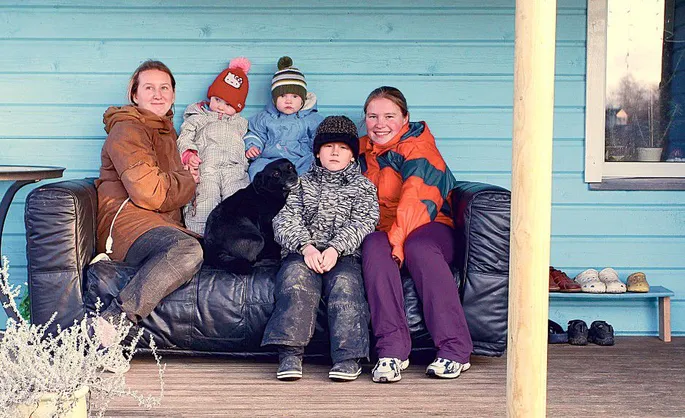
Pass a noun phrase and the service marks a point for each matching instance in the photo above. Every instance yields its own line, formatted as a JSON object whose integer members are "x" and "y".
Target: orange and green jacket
{"x": 414, "y": 183}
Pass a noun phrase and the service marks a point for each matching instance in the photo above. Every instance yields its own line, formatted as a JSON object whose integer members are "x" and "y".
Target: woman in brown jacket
{"x": 141, "y": 190}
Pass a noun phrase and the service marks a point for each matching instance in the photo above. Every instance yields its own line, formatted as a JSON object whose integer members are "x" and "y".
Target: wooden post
{"x": 531, "y": 207}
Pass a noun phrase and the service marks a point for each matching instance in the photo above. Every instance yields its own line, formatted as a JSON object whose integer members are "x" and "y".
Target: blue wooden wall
{"x": 62, "y": 63}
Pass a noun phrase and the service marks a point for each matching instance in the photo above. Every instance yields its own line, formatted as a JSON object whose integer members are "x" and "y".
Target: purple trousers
{"x": 428, "y": 250}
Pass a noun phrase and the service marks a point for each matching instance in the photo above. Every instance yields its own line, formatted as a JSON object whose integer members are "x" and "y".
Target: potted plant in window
{"x": 68, "y": 374}
{"x": 653, "y": 134}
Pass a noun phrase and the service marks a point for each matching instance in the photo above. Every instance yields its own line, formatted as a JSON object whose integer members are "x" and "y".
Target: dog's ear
{"x": 258, "y": 181}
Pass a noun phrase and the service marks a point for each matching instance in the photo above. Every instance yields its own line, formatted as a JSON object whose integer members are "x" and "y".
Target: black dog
{"x": 239, "y": 231}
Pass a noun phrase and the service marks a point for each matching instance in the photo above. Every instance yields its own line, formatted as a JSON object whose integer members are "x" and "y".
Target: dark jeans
{"x": 298, "y": 293}
{"x": 428, "y": 250}
{"x": 168, "y": 258}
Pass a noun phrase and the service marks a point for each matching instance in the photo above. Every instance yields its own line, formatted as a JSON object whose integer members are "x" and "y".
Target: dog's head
{"x": 277, "y": 178}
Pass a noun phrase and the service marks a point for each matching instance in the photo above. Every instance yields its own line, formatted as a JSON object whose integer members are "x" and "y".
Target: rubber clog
{"x": 637, "y": 282}
{"x": 556, "y": 334}
{"x": 589, "y": 281}
{"x": 609, "y": 277}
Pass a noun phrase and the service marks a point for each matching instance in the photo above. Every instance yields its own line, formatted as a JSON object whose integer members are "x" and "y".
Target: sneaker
{"x": 577, "y": 332}
{"x": 289, "y": 368}
{"x": 590, "y": 283}
{"x": 447, "y": 369}
{"x": 345, "y": 370}
{"x": 601, "y": 333}
{"x": 387, "y": 370}
{"x": 609, "y": 277}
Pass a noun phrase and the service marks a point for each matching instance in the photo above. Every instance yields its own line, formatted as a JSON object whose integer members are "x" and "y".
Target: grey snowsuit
{"x": 327, "y": 209}
{"x": 218, "y": 139}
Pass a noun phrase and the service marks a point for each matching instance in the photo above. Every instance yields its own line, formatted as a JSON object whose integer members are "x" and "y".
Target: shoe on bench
{"x": 562, "y": 281}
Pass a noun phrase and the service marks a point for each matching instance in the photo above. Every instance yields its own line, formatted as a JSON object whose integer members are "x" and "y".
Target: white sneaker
{"x": 589, "y": 282}
{"x": 609, "y": 277}
{"x": 447, "y": 369}
{"x": 388, "y": 369}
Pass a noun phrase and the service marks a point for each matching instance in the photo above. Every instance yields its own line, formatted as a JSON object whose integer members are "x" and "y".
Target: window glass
{"x": 643, "y": 114}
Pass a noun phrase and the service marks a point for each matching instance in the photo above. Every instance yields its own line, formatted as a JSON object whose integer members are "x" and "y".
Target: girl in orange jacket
{"x": 416, "y": 229}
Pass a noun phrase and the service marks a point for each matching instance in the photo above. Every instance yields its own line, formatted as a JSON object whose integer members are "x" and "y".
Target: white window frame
{"x": 596, "y": 169}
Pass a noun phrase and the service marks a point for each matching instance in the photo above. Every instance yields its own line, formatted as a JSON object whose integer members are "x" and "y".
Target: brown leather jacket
{"x": 139, "y": 161}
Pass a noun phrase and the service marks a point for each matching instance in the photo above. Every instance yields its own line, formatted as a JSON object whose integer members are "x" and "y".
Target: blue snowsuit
{"x": 278, "y": 135}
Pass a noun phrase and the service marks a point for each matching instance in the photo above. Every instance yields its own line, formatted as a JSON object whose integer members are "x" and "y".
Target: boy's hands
{"x": 252, "y": 152}
{"x": 330, "y": 258}
{"x": 313, "y": 258}
{"x": 318, "y": 261}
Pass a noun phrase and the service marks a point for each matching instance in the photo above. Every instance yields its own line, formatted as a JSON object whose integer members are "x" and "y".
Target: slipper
{"x": 556, "y": 334}
{"x": 589, "y": 282}
{"x": 637, "y": 282}
{"x": 609, "y": 277}
{"x": 562, "y": 281}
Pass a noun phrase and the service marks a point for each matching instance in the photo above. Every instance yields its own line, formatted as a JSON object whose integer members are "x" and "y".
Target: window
{"x": 635, "y": 110}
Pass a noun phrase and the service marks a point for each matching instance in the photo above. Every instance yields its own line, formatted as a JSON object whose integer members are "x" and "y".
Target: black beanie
{"x": 337, "y": 129}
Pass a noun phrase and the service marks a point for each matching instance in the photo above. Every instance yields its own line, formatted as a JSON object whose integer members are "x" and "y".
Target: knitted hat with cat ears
{"x": 231, "y": 85}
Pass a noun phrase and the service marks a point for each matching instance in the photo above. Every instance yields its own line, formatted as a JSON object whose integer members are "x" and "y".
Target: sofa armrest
{"x": 61, "y": 225}
{"x": 481, "y": 222}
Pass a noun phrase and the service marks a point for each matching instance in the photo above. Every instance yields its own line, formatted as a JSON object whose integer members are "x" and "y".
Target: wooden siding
{"x": 63, "y": 62}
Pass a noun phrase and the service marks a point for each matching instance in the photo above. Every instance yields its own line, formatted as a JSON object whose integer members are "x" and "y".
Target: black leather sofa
{"x": 223, "y": 313}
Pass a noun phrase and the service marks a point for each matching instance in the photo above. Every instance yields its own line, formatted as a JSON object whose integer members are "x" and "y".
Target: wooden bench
{"x": 655, "y": 292}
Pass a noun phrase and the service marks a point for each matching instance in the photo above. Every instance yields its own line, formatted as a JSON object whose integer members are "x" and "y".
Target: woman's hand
{"x": 330, "y": 258}
{"x": 313, "y": 258}
{"x": 252, "y": 152}
{"x": 193, "y": 172}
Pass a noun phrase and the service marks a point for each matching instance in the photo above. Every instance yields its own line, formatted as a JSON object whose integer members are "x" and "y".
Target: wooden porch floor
{"x": 639, "y": 376}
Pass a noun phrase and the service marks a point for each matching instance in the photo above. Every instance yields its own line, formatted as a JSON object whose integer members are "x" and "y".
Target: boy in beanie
{"x": 211, "y": 141}
{"x": 320, "y": 230}
{"x": 286, "y": 126}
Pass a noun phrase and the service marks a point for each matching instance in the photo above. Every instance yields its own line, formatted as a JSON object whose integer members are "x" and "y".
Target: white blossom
{"x": 34, "y": 363}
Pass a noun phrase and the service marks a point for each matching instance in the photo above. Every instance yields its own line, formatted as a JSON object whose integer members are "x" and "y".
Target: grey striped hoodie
{"x": 328, "y": 209}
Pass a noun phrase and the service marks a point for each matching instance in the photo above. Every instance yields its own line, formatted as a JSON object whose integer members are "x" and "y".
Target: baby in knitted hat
{"x": 286, "y": 126}
{"x": 211, "y": 141}
{"x": 320, "y": 230}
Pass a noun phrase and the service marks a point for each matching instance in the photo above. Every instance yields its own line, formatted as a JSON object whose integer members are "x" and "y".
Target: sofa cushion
{"x": 220, "y": 312}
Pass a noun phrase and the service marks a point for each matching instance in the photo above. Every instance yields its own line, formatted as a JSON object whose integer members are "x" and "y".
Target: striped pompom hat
{"x": 288, "y": 79}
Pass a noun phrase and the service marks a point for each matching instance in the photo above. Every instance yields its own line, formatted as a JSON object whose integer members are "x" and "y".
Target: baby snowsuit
{"x": 218, "y": 139}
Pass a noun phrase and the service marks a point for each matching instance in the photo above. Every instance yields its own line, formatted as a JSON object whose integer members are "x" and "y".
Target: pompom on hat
{"x": 231, "y": 85}
{"x": 288, "y": 79}
{"x": 337, "y": 129}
